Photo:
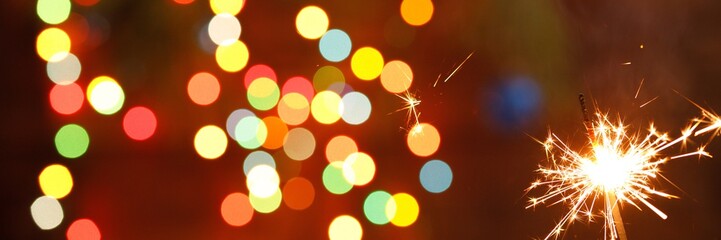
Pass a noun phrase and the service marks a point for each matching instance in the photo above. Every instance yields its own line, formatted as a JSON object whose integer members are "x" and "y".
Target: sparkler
{"x": 617, "y": 167}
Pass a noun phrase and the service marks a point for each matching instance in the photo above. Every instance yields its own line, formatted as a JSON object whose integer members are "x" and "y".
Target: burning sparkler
{"x": 616, "y": 167}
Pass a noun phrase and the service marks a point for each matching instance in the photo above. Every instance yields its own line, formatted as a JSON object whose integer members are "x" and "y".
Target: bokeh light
{"x": 345, "y": 227}
{"x": 263, "y": 93}
{"x": 277, "y": 130}
{"x": 423, "y": 139}
{"x": 266, "y": 205}
{"x": 374, "y": 207}
{"x": 514, "y": 102}
{"x": 64, "y": 71}
{"x": 232, "y": 57}
{"x": 105, "y": 95}
{"x": 55, "y": 181}
{"x": 359, "y": 168}
{"x": 257, "y": 158}
{"x": 203, "y": 88}
{"x": 83, "y": 229}
{"x": 258, "y": 71}
{"x": 406, "y": 209}
{"x": 139, "y": 123}
{"x": 417, "y": 12}
{"x": 210, "y": 142}
{"x": 300, "y": 85}
{"x": 46, "y": 212}
{"x": 234, "y": 118}
{"x": 397, "y": 76}
{"x": 72, "y": 141}
{"x": 224, "y": 29}
{"x": 326, "y": 107}
{"x": 339, "y": 148}
{"x": 231, "y": 7}
{"x": 293, "y": 109}
{"x": 436, "y": 176}
{"x": 311, "y": 22}
{"x": 251, "y": 132}
{"x": 356, "y": 108}
{"x": 299, "y": 144}
{"x": 66, "y": 99}
{"x": 53, "y": 44}
{"x": 236, "y": 209}
{"x": 262, "y": 181}
{"x": 335, "y": 45}
{"x": 329, "y": 78}
{"x": 367, "y": 63}
{"x": 298, "y": 193}
{"x": 333, "y": 179}
{"x": 53, "y": 11}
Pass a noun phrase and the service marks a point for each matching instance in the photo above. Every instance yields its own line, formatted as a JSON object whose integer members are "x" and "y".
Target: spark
{"x": 618, "y": 166}
{"x": 649, "y": 101}
{"x": 454, "y": 70}
{"x": 411, "y": 103}
{"x": 639, "y": 87}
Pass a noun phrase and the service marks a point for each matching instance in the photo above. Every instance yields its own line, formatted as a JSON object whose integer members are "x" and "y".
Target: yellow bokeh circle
{"x": 55, "y": 181}
{"x": 311, "y": 22}
{"x": 367, "y": 63}
{"x": 232, "y": 57}
{"x": 326, "y": 107}
{"x": 403, "y": 210}
{"x": 53, "y": 44}
{"x": 210, "y": 142}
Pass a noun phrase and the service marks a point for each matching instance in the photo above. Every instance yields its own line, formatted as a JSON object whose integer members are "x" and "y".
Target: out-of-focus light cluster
{"x": 328, "y": 98}
{"x": 275, "y": 134}
{"x": 224, "y": 31}
{"x": 400, "y": 209}
{"x": 61, "y": 45}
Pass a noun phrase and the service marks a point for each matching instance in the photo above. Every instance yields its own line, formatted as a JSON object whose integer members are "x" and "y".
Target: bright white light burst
{"x": 616, "y": 167}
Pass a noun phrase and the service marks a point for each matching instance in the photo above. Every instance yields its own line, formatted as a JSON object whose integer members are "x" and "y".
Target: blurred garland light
{"x": 295, "y": 102}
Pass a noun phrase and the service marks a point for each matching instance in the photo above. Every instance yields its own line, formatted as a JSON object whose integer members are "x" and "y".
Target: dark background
{"x": 531, "y": 59}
